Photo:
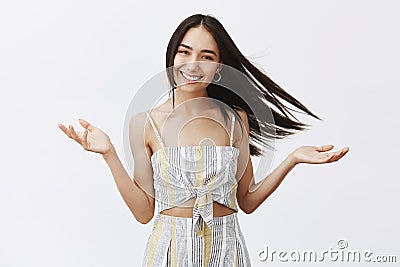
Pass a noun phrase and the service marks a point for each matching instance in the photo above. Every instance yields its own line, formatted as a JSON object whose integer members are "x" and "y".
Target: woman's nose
{"x": 192, "y": 65}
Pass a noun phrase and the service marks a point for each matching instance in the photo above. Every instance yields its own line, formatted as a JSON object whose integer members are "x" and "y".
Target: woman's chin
{"x": 192, "y": 86}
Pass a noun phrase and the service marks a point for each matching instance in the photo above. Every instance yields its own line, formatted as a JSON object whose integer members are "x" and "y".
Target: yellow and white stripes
{"x": 177, "y": 245}
{"x": 205, "y": 174}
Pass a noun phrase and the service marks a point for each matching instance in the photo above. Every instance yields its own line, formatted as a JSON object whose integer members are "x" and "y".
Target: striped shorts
{"x": 173, "y": 242}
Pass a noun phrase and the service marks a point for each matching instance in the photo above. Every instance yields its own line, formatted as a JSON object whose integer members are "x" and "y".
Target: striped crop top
{"x": 205, "y": 173}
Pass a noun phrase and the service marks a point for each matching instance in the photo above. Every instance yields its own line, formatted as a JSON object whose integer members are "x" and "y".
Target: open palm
{"x": 92, "y": 139}
{"x": 318, "y": 155}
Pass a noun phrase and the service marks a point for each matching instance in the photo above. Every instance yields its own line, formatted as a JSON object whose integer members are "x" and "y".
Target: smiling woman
{"x": 192, "y": 152}
{"x": 192, "y": 69}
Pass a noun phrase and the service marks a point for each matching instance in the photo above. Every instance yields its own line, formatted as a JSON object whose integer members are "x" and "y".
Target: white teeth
{"x": 191, "y": 77}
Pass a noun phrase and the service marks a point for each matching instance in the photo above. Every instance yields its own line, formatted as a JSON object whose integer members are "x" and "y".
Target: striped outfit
{"x": 205, "y": 174}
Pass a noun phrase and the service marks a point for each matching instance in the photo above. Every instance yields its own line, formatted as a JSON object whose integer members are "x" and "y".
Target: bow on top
{"x": 203, "y": 207}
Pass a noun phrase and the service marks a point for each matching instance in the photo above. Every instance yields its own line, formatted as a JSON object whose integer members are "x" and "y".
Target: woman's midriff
{"x": 219, "y": 210}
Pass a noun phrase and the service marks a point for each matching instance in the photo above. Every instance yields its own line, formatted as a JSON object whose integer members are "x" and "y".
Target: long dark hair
{"x": 231, "y": 56}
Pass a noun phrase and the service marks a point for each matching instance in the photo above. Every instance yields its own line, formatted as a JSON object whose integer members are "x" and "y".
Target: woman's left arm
{"x": 250, "y": 195}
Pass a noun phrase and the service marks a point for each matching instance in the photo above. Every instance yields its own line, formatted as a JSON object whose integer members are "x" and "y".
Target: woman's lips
{"x": 190, "y": 78}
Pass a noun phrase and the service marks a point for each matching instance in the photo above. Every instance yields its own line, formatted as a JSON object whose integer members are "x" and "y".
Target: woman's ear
{"x": 220, "y": 65}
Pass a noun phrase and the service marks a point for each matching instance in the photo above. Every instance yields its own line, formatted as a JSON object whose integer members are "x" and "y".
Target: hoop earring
{"x": 219, "y": 77}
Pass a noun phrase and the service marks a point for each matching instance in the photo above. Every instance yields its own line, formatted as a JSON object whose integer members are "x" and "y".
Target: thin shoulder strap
{"x": 155, "y": 130}
{"x": 232, "y": 126}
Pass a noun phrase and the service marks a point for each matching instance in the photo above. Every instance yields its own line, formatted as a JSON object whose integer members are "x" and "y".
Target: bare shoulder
{"x": 141, "y": 119}
{"x": 139, "y": 127}
{"x": 138, "y": 120}
{"x": 242, "y": 113}
{"x": 243, "y": 118}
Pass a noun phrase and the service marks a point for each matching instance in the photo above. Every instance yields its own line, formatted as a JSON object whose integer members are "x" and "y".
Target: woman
{"x": 198, "y": 180}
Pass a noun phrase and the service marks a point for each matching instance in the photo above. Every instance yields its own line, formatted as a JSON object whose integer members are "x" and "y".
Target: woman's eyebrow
{"x": 203, "y": 50}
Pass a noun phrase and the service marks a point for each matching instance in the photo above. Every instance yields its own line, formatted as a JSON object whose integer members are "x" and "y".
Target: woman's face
{"x": 197, "y": 60}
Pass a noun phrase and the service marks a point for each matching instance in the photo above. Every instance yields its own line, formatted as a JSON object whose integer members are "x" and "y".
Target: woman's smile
{"x": 190, "y": 78}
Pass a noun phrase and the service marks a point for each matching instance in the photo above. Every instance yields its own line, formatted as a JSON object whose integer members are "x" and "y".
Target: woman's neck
{"x": 191, "y": 102}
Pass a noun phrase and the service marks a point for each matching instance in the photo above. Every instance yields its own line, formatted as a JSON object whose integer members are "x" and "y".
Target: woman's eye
{"x": 208, "y": 58}
{"x": 183, "y": 52}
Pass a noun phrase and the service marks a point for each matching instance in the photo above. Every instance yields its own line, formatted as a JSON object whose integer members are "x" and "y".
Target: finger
{"x": 65, "y": 130}
{"x": 324, "y": 148}
{"x": 330, "y": 157}
{"x": 335, "y": 156}
{"x": 84, "y": 140}
{"x": 324, "y": 158}
{"x": 338, "y": 155}
{"x": 86, "y": 125}
{"x": 342, "y": 153}
{"x": 73, "y": 133}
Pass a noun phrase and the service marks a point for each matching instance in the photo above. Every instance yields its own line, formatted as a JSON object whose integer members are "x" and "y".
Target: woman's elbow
{"x": 247, "y": 210}
{"x": 144, "y": 218}
{"x": 145, "y": 215}
{"x": 245, "y": 207}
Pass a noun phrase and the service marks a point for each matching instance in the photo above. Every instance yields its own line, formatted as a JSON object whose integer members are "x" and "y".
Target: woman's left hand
{"x": 317, "y": 154}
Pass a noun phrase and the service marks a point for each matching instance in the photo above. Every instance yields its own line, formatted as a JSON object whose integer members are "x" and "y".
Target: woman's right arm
{"x": 140, "y": 203}
{"x": 137, "y": 193}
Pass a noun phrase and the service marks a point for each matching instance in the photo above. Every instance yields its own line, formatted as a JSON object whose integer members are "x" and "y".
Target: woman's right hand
{"x": 92, "y": 139}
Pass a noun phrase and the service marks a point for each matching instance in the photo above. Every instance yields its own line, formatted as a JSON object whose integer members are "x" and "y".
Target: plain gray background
{"x": 64, "y": 60}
